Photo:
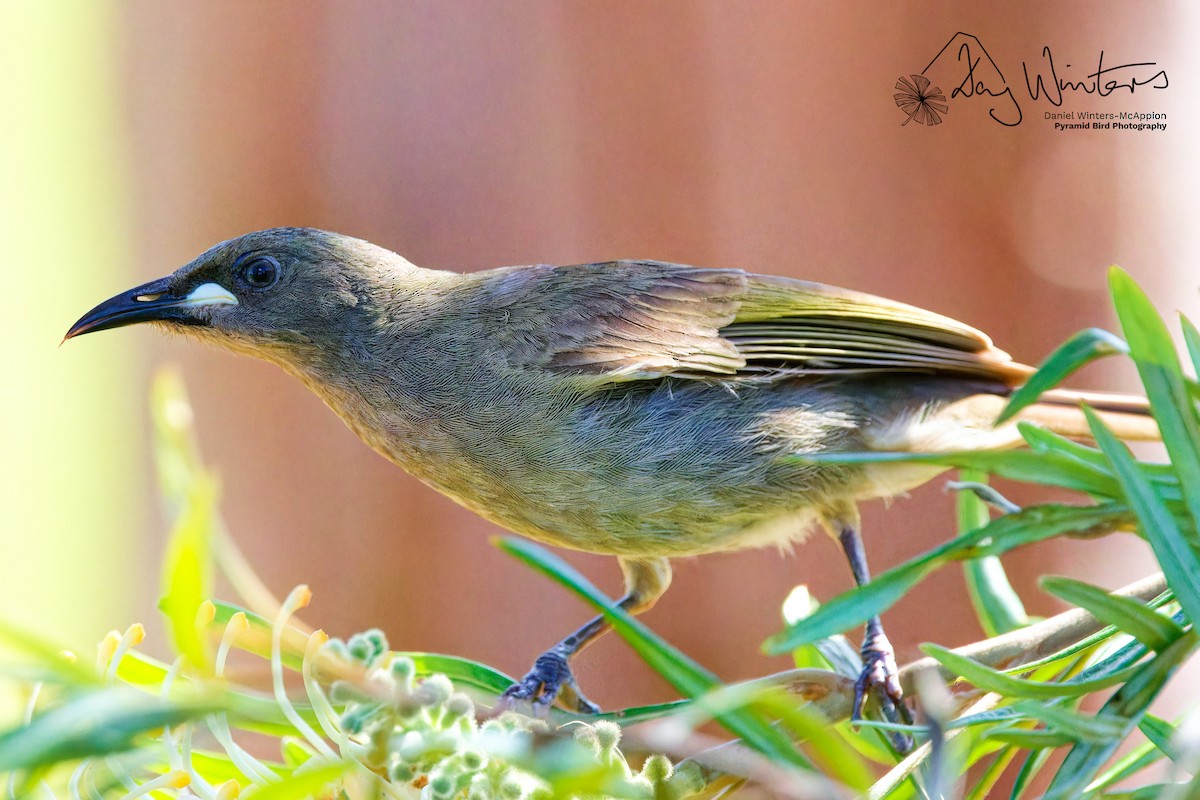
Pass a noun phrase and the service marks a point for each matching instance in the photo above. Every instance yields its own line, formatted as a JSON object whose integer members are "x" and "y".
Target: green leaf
{"x": 1142, "y": 623}
{"x": 1127, "y": 766}
{"x": 1161, "y": 734}
{"x": 1047, "y": 442}
{"x": 834, "y": 652}
{"x": 90, "y": 724}
{"x": 1034, "y": 761}
{"x": 1082, "y": 348}
{"x": 302, "y": 785}
{"x": 997, "y": 605}
{"x": 1042, "y": 441}
{"x": 1012, "y": 530}
{"x": 1153, "y": 352}
{"x": 1029, "y": 739}
{"x": 1018, "y": 465}
{"x": 1100, "y": 729}
{"x": 1154, "y": 791}
{"x": 992, "y": 680}
{"x": 188, "y": 571}
{"x": 991, "y": 775}
{"x": 832, "y": 754}
{"x": 1191, "y": 337}
{"x": 1133, "y": 651}
{"x": 1129, "y": 702}
{"x": 1178, "y": 560}
{"x": 47, "y": 654}
{"x": 460, "y": 671}
{"x": 688, "y": 677}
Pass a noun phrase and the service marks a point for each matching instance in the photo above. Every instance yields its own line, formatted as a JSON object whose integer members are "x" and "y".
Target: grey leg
{"x": 551, "y": 679}
{"x": 880, "y": 673}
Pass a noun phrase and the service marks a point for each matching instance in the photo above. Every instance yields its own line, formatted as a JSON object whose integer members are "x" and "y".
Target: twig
{"x": 1040, "y": 639}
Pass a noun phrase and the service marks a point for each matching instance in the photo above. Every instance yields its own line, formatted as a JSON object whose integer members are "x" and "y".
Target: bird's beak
{"x": 152, "y": 302}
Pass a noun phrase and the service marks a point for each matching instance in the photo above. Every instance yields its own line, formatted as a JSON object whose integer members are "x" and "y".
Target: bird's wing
{"x": 630, "y": 320}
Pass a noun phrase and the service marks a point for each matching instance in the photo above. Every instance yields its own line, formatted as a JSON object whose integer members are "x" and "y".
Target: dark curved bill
{"x": 150, "y": 302}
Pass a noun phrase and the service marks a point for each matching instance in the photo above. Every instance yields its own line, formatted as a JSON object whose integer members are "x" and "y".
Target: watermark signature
{"x": 966, "y": 67}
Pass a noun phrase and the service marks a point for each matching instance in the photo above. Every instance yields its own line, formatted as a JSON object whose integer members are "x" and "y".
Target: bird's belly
{"x": 604, "y": 527}
{"x": 681, "y": 469}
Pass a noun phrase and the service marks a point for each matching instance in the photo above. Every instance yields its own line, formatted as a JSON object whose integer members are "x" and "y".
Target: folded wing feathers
{"x": 661, "y": 319}
{"x": 650, "y": 319}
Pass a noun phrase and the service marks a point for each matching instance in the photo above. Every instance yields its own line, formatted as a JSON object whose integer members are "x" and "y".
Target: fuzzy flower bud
{"x": 608, "y": 736}
{"x": 434, "y": 690}
{"x": 657, "y": 770}
{"x": 403, "y": 671}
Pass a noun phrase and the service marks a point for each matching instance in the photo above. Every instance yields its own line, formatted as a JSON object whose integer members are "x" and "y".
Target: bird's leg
{"x": 880, "y": 673}
{"x": 551, "y": 680}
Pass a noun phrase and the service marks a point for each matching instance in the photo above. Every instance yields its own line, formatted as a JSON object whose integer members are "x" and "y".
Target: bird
{"x": 641, "y": 409}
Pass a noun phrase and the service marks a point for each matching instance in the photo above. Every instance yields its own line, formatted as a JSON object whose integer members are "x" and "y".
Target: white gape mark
{"x": 210, "y": 294}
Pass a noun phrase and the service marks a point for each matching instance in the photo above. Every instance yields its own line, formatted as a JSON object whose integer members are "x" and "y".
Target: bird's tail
{"x": 1061, "y": 411}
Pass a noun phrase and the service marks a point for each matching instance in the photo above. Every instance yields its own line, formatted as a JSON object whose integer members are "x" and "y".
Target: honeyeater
{"x": 642, "y": 409}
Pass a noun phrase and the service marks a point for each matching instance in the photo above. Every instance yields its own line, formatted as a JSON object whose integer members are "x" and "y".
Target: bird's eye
{"x": 261, "y": 272}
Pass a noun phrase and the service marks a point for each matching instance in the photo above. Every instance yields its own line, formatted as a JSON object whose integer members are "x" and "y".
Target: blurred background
{"x": 469, "y": 135}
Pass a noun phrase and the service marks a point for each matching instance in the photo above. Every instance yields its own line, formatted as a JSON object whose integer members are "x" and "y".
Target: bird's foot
{"x": 880, "y": 676}
{"x": 548, "y": 682}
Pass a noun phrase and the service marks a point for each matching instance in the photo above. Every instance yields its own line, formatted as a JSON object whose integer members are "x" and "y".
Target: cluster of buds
{"x": 422, "y": 733}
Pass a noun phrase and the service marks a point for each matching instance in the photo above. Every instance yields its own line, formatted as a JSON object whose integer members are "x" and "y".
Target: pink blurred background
{"x": 757, "y": 135}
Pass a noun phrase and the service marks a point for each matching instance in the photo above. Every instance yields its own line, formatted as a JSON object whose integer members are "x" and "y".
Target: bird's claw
{"x": 549, "y": 681}
{"x": 880, "y": 676}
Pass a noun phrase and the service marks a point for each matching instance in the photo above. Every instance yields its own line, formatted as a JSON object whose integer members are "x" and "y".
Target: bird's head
{"x": 269, "y": 293}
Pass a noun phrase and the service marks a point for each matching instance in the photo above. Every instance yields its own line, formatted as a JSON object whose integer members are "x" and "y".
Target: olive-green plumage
{"x": 636, "y": 408}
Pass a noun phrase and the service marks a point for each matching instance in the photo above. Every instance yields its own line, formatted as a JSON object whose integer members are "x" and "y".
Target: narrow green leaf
{"x": 460, "y": 671}
{"x": 1130, "y": 653}
{"x": 1178, "y": 560}
{"x": 1001, "y": 535}
{"x": 680, "y": 671}
{"x": 1142, "y": 623}
{"x": 997, "y": 605}
{"x": 1100, "y": 729}
{"x": 90, "y": 724}
{"x": 832, "y": 754}
{"x": 1030, "y": 767}
{"x": 992, "y": 680}
{"x": 46, "y": 654}
{"x": 218, "y": 768}
{"x": 1047, "y": 442}
{"x": 1154, "y": 791}
{"x": 1017, "y": 465}
{"x": 1191, "y": 338}
{"x": 991, "y": 775}
{"x": 1082, "y": 348}
{"x": 852, "y": 608}
{"x": 1161, "y": 734}
{"x": 628, "y": 716}
{"x": 1029, "y": 739}
{"x": 1042, "y": 441}
{"x": 187, "y": 571}
{"x": 1153, "y": 352}
{"x": 989, "y": 717}
{"x": 688, "y": 677}
{"x": 1127, "y": 766}
{"x": 1130, "y": 702}
{"x": 295, "y": 751}
{"x": 315, "y": 782}
{"x": 834, "y": 652}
